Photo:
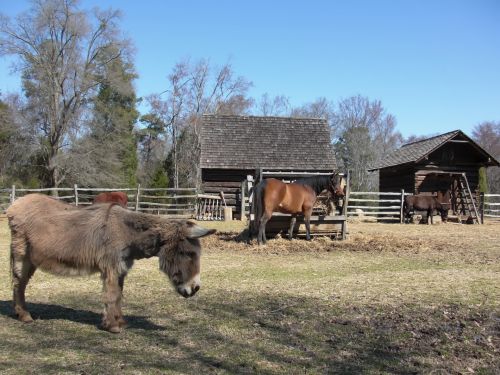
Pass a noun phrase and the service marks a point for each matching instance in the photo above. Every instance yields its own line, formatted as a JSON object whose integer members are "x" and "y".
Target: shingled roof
{"x": 250, "y": 142}
{"x": 415, "y": 151}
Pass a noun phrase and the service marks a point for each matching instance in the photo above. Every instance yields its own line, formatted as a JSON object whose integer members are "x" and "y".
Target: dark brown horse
{"x": 424, "y": 203}
{"x": 272, "y": 195}
{"x": 112, "y": 197}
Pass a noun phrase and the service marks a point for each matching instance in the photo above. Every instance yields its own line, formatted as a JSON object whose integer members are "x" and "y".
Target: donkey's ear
{"x": 195, "y": 231}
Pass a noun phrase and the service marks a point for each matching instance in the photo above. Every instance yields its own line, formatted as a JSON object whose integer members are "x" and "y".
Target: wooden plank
{"x": 375, "y": 207}
{"x": 373, "y": 193}
{"x": 375, "y": 200}
{"x": 216, "y": 184}
{"x": 369, "y": 213}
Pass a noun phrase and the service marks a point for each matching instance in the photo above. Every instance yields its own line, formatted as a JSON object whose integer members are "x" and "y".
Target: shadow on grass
{"x": 55, "y": 312}
{"x": 253, "y": 333}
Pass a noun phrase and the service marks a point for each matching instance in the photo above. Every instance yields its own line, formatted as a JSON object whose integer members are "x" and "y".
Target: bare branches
{"x": 57, "y": 77}
{"x": 195, "y": 89}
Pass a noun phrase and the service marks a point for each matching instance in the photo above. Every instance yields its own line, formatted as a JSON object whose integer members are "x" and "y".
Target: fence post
{"x": 481, "y": 206}
{"x": 137, "y": 197}
{"x": 346, "y": 203}
{"x": 13, "y": 194}
{"x": 401, "y": 218}
{"x": 243, "y": 213}
{"x": 76, "y": 195}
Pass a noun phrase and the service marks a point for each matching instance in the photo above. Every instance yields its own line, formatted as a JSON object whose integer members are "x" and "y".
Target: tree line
{"x": 77, "y": 121}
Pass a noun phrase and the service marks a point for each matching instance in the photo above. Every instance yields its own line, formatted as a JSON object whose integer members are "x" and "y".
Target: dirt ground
{"x": 392, "y": 298}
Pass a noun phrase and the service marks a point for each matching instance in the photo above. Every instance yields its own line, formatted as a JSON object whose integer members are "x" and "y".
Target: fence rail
{"x": 385, "y": 206}
{"x": 490, "y": 204}
{"x": 186, "y": 202}
{"x": 180, "y": 202}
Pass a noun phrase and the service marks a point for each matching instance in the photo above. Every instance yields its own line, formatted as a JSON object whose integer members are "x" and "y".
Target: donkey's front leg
{"x": 22, "y": 269}
{"x": 112, "y": 318}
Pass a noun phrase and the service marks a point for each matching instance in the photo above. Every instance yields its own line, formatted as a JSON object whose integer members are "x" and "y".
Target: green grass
{"x": 389, "y": 300}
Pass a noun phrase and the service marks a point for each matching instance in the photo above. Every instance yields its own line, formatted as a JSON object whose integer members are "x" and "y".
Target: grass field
{"x": 391, "y": 299}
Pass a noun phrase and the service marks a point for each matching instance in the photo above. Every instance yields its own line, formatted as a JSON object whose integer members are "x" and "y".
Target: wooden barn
{"x": 234, "y": 147}
{"x": 435, "y": 166}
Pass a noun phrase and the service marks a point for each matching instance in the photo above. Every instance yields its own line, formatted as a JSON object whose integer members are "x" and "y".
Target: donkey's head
{"x": 180, "y": 258}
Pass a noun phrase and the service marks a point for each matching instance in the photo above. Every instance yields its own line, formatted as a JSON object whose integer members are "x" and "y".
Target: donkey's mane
{"x": 317, "y": 183}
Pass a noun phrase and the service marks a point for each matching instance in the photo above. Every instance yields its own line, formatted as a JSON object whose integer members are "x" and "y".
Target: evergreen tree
{"x": 110, "y": 147}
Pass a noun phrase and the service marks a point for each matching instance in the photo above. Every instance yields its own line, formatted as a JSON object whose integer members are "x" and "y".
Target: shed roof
{"x": 415, "y": 151}
{"x": 250, "y": 142}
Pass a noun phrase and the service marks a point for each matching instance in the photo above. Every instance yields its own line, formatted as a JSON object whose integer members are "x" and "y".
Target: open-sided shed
{"x": 234, "y": 147}
{"x": 435, "y": 166}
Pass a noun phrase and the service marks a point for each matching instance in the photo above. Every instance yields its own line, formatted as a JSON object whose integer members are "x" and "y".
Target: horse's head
{"x": 335, "y": 186}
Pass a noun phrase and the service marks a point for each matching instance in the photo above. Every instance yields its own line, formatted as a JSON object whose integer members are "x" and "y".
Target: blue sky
{"x": 435, "y": 65}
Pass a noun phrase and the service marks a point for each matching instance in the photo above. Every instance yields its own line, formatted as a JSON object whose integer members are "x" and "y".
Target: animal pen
{"x": 237, "y": 151}
{"x": 180, "y": 203}
{"x": 325, "y": 221}
{"x": 445, "y": 166}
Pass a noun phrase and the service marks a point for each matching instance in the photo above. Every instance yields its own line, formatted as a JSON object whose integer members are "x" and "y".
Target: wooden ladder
{"x": 467, "y": 200}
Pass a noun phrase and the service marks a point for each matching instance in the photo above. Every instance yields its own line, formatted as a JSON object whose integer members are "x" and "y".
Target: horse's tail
{"x": 258, "y": 202}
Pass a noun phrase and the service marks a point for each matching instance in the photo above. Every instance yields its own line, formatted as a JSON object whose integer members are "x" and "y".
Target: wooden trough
{"x": 321, "y": 225}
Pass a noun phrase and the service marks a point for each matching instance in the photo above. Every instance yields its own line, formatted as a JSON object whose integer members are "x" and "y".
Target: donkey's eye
{"x": 188, "y": 254}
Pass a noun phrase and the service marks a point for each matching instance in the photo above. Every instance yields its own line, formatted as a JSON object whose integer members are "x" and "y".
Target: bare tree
{"x": 320, "y": 108}
{"x": 62, "y": 53}
{"x": 277, "y": 106}
{"x": 487, "y": 134}
{"x": 193, "y": 90}
{"x": 363, "y": 134}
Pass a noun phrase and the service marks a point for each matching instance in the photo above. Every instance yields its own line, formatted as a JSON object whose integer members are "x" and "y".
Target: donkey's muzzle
{"x": 188, "y": 291}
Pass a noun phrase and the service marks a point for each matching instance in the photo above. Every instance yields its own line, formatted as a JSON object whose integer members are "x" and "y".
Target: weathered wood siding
{"x": 227, "y": 181}
{"x": 395, "y": 179}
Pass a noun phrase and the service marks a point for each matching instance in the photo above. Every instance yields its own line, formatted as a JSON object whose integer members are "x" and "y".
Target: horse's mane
{"x": 317, "y": 183}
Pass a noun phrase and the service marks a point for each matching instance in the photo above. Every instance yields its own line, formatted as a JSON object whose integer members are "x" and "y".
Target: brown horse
{"x": 424, "y": 203}
{"x": 272, "y": 195}
{"x": 66, "y": 240}
{"x": 112, "y": 197}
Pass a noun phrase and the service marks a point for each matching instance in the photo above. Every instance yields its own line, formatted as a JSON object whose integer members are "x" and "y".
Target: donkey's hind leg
{"x": 22, "y": 269}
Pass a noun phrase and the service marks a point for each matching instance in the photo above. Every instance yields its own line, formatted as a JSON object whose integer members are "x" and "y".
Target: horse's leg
{"x": 430, "y": 221}
{"x": 292, "y": 225}
{"x": 307, "y": 221}
{"x": 22, "y": 269}
{"x": 112, "y": 301}
{"x": 261, "y": 238}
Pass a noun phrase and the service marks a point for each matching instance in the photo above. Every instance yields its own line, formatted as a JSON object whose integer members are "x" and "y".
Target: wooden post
{"x": 344, "y": 208}
{"x": 250, "y": 203}
{"x": 481, "y": 206}
{"x": 401, "y": 218}
{"x": 13, "y": 194}
{"x": 242, "y": 195}
{"x": 76, "y": 195}
{"x": 137, "y": 196}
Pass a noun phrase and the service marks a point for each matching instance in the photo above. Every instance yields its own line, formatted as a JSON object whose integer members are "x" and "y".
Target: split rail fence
{"x": 187, "y": 203}
{"x": 380, "y": 206}
{"x": 180, "y": 202}
{"x": 490, "y": 206}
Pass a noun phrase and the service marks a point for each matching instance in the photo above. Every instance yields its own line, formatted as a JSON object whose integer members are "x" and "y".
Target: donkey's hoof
{"x": 26, "y": 318}
{"x": 122, "y": 322}
{"x": 115, "y": 329}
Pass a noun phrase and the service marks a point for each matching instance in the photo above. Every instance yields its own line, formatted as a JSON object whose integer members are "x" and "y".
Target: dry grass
{"x": 391, "y": 299}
